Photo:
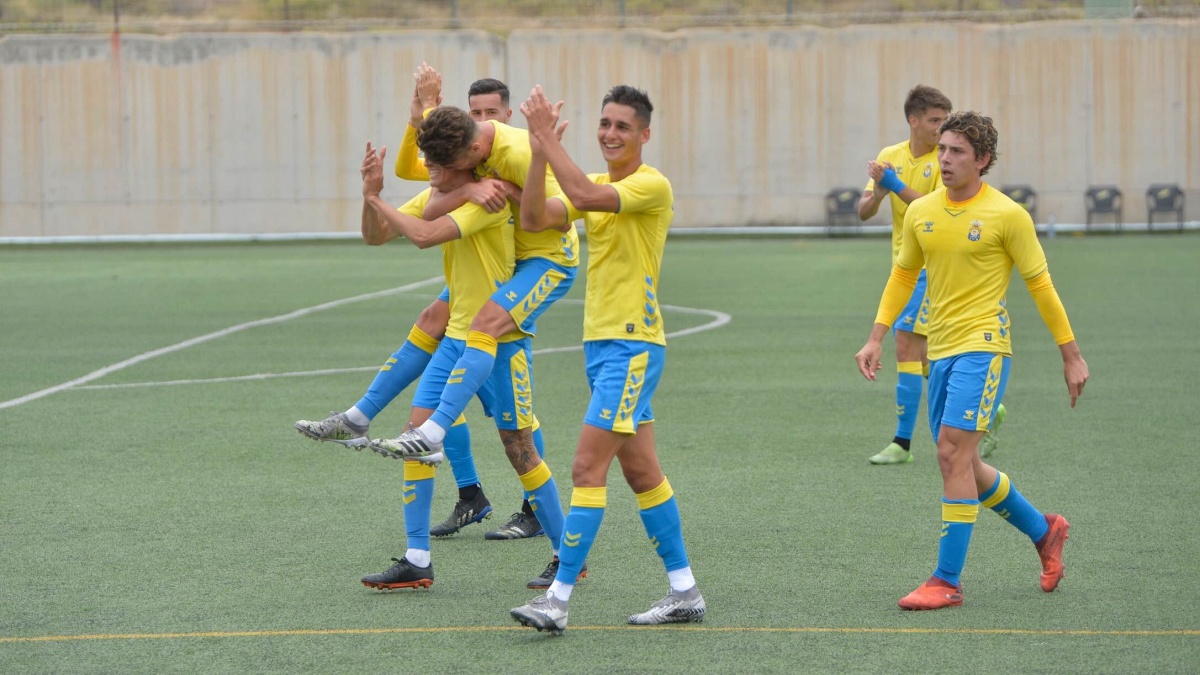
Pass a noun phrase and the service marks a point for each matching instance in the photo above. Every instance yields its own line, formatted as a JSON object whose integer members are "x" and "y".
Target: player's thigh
{"x": 964, "y": 390}
{"x": 536, "y": 284}
{"x": 507, "y": 394}
{"x": 623, "y": 376}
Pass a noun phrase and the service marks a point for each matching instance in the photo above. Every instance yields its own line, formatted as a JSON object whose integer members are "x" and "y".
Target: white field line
{"x": 718, "y": 319}
{"x": 146, "y": 356}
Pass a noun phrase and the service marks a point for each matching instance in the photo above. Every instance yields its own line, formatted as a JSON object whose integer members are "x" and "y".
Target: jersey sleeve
{"x": 573, "y": 213}
{"x": 408, "y": 162}
{"x": 1022, "y": 244}
{"x": 473, "y": 219}
{"x": 415, "y": 207}
{"x": 910, "y": 256}
{"x": 643, "y": 192}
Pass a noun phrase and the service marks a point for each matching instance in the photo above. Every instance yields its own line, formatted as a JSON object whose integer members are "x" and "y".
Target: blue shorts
{"x": 444, "y": 296}
{"x": 536, "y": 284}
{"x": 507, "y": 394}
{"x": 622, "y": 375}
{"x": 965, "y": 389}
{"x": 915, "y": 317}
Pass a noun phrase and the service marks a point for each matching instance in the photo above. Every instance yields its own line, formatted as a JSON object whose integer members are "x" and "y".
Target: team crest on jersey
{"x": 928, "y": 170}
{"x": 987, "y": 337}
{"x": 929, "y": 226}
{"x": 976, "y": 230}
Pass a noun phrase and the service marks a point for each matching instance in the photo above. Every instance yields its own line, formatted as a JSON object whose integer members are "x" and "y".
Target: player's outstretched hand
{"x": 372, "y": 171}
{"x": 869, "y": 359}
{"x": 429, "y": 86}
{"x": 541, "y": 115}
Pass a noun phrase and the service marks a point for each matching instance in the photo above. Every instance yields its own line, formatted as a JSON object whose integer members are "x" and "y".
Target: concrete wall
{"x": 236, "y": 133}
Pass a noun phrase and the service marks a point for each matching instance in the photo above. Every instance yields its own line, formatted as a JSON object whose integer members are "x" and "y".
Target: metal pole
{"x": 116, "y": 16}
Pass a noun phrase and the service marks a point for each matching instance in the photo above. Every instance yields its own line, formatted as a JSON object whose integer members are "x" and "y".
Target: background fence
{"x": 260, "y": 133}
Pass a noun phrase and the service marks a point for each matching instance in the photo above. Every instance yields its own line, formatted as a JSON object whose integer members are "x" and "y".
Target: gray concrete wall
{"x": 236, "y": 133}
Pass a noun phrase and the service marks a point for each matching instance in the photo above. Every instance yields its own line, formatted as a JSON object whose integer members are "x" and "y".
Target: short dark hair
{"x": 634, "y": 98}
{"x": 489, "y": 85}
{"x": 446, "y": 134}
{"x": 979, "y": 132}
{"x": 922, "y": 98}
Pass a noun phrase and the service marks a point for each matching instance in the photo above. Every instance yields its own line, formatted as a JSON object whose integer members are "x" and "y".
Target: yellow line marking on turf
{"x": 694, "y": 629}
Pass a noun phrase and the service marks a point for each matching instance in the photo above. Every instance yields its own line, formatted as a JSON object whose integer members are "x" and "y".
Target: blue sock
{"x": 660, "y": 516}
{"x": 418, "y": 500}
{"x": 457, "y": 446}
{"x": 468, "y": 375}
{"x": 908, "y": 398}
{"x": 958, "y": 519}
{"x": 579, "y": 531}
{"x": 539, "y": 443}
{"x": 1012, "y": 506}
{"x": 399, "y": 371}
{"x": 542, "y": 493}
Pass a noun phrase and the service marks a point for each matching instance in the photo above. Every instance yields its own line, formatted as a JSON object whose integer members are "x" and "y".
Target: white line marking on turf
{"x": 719, "y": 319}
{"x": 146, "y": 356}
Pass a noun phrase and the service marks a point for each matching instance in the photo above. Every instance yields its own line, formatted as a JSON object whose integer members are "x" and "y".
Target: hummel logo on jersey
{"x": 929, "y": 226}
{"x": 654, "y": 542}
{"x": 511, "y": 295}
{"x": 968, "y": 415}
{"x": 571, "y": 540}
{"x": 605, "y": 414}
{"x": 507, "y": 417}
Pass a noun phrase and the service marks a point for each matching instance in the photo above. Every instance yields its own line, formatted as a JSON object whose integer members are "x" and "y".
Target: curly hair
{"x": 633, "y": 97}
{"x": 979, "y": 132}
{"x": 921, "y": 98}
{"x": 446, "y": 134}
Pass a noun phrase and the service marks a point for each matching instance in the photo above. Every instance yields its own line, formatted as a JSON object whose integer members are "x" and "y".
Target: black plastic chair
{"x": 1105, "y": 199}
{"x": 841, "y": 204}
{"x": 1023, "y": 195}
{"x": 1164, "y": 198}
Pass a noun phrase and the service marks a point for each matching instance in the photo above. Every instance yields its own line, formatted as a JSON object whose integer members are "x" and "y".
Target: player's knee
{"x": 433, "y": 319}
{"x": 954, "y": 457}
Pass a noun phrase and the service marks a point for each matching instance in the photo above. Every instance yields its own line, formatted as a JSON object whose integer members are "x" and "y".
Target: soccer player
{"x": 627, "y": 212}
{"x": 547, "y": 263}
{"x": 478, "y": 255}
{"x": 488, "y": 99}
{"x": 968, "y": 236}
{"x": 900, "y": 174}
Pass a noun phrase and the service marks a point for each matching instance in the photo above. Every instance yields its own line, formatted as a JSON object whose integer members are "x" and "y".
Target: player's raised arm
{"x": 387, "y": 223}
{"x": 544, "y": 127}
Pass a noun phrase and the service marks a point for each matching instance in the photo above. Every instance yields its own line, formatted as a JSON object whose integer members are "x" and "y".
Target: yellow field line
{"x": 703, "y": 629}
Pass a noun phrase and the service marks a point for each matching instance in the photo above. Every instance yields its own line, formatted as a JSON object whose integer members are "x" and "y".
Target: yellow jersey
{"x": 922, "y": 174}
{"x": 969, "y": 250}
{"x": 624, "y": 257}
{"x": 510, "y": 159}
{"x": 475, "y": 264}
